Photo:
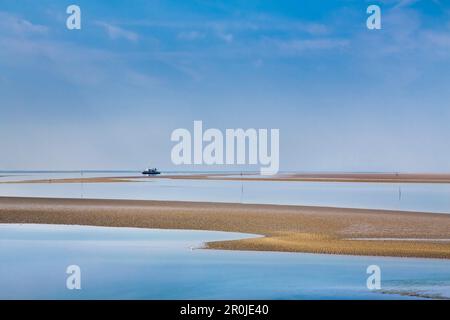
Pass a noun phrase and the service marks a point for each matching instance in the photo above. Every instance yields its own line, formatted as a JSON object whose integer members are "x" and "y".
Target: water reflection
{"x": 392, "y": 196}
{"x": 129, "y": 263}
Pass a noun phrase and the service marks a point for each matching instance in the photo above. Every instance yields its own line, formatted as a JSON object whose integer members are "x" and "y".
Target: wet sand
{"x": 311, "y": 177}
{"x": 285, "y": 228}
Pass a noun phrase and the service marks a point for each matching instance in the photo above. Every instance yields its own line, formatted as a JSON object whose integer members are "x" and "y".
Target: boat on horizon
{"x": 151, "y": 171}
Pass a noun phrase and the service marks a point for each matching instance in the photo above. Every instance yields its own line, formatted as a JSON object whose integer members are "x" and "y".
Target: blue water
{"x": 393, "y": 196}
{"x": 127, "y": 263}
{"x": 166, "y": 264}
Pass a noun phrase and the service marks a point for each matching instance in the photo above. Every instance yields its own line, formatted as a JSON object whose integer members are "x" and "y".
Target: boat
{"x": 151, "y": 171}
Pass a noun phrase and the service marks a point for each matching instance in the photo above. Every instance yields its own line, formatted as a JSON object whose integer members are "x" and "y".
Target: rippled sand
{"x": 286, "y": 228}
{"x": 313, "y": 177}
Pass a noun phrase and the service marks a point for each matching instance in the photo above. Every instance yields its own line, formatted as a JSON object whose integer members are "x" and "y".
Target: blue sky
{"x": 108, "y": 96}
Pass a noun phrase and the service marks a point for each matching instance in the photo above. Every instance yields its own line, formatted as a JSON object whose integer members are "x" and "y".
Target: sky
{"x": 108, "y": 96}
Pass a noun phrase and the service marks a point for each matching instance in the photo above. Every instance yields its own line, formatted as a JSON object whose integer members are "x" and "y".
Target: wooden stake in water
{"x": 242, "y": 189}
{"x": 82, "y": 184}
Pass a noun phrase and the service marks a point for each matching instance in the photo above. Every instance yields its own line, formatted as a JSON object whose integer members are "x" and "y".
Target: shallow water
{"x": 129, "y": 263}
{"x": 394, "y": 196}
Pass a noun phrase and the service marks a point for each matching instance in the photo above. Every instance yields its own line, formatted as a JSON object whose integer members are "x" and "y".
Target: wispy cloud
{"x": 190, "y": 35}
{"x": 440, "y": 39}
{"x": 10, "y": 23}
{"x": 65, "y": 60}
{"x": 406, "y": 3}
{"x": 405, "y": 33}
{"x": 260, "y": 23}
{"x": 300, "y": 46}
{"x": 115, "y": 32}
{"x": 225, "y": 36}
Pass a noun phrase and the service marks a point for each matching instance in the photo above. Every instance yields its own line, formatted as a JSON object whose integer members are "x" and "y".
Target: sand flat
{"x": 286, "y": 228}
{"x": 300, "y": 177}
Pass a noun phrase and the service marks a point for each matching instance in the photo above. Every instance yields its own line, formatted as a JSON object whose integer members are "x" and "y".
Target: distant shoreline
{"x": 299, "y": 177}
{"x": 285, "y": 227}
